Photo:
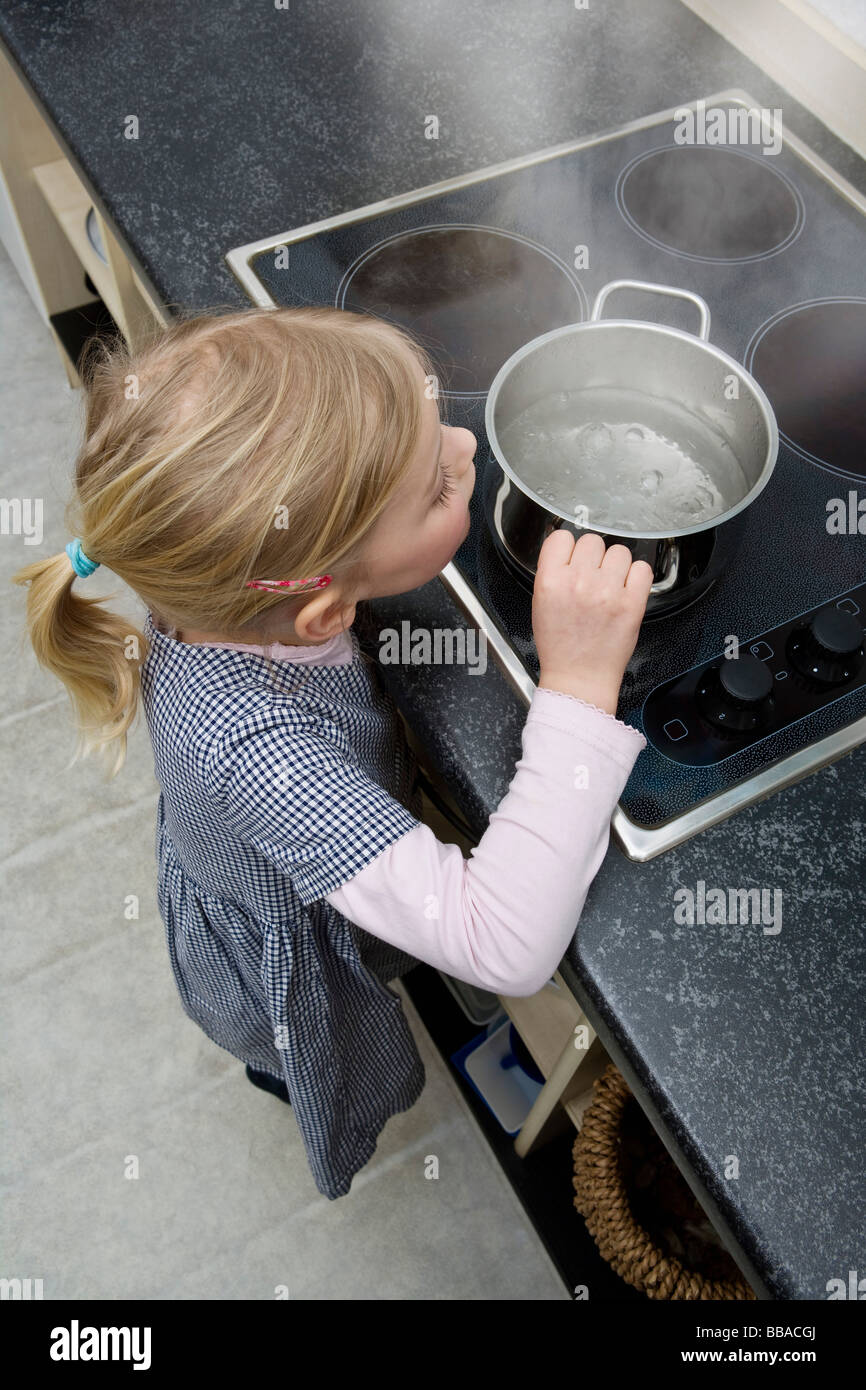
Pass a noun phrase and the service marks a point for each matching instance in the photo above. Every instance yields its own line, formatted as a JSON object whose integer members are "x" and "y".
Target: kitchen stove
{"x": 775, "y": 242}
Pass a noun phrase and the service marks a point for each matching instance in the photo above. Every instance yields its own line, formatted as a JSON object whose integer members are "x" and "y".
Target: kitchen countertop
{"x": 739, "y": 1045}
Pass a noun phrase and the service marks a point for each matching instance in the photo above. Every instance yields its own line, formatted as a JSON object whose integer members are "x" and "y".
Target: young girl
{"x": 253, "y": 476}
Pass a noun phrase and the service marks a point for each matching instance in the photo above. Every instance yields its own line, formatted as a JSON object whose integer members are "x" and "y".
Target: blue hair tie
{"x": 80, "y": 563}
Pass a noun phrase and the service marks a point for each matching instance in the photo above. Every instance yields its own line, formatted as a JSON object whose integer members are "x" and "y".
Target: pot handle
{"x": 671, "y": 570}
{"x": 703, "y": 308}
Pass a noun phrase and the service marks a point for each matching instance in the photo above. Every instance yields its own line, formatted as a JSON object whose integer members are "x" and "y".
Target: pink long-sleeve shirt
{"x": 501, "y": 920}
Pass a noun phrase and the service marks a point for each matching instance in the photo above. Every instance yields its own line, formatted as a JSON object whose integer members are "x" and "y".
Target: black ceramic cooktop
{"x": 779, "y": 254}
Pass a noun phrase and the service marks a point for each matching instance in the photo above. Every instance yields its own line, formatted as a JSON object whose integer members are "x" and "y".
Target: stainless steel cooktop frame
{"x": 636, "y": 841}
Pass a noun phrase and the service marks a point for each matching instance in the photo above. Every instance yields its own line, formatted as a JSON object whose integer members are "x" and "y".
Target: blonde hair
{"x": 198, "y": 448}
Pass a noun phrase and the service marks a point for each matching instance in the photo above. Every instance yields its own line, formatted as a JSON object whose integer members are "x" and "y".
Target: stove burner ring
{"x": 810, "y": 359}
{"x": 471, "y": 294}
{"x": 710, "y": 203}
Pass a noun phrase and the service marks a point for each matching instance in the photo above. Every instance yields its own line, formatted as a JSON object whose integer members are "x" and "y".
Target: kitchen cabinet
{"x": 46, "y": 207}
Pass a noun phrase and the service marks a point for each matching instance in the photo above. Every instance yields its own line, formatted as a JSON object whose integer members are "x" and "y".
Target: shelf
{"x": 73, "y": 327}
{"x": 70, "y": 204}
{"x": 548, "y": 1022}
{"x": 47, "y": 207}
{"x": 120, "y": 289}
{"x": 545, "y": 1021}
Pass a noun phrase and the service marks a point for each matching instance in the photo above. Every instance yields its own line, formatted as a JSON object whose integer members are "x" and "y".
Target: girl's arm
{"x": 502, "y": 919}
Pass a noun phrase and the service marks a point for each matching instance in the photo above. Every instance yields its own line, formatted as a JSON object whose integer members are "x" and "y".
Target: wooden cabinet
{"x": 564, "y": 1046}
{"x": 46, "y": 207}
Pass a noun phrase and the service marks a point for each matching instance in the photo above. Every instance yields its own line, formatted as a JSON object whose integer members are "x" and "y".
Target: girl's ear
{"x": 322, "y": 617}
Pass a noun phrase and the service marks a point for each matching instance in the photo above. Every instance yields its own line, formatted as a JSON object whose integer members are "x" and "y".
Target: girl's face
{"x": 428, "y": 518}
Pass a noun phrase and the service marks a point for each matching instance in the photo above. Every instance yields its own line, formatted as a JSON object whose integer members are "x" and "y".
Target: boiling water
{"x": 634, "y": 463}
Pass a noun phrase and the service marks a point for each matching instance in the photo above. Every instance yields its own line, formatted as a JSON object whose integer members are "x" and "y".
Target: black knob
{"x": 828, "y": 650}
{"x": 736, "y": 697}
{"x": 745, "y": 679}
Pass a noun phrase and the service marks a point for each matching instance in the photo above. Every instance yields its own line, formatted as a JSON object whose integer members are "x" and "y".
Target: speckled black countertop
{"x": 254, "y": 120}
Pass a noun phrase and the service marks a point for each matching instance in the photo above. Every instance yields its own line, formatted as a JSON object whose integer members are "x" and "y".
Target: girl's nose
{"x": 468, "y": 445}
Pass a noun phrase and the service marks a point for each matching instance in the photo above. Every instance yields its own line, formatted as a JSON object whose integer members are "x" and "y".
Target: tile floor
{"x": 99, "y": 1063}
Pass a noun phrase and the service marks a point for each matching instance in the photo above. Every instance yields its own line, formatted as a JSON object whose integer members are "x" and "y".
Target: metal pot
{"x": 690, "y": 390}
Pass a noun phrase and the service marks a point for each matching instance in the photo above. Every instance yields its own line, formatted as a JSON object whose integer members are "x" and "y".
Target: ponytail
{"x": 96, "y": 654}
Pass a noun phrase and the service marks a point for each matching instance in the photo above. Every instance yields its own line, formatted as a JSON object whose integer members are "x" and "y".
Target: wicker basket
{"x": 603, "y": 1199}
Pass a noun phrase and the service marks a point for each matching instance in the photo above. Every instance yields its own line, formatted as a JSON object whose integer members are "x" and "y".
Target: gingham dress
{"x": 270, "y": 799}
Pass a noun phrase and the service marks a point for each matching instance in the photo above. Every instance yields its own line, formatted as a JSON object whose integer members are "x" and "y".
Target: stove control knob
{"x": 735, "y": 696}
{"x": 828, "y": 650}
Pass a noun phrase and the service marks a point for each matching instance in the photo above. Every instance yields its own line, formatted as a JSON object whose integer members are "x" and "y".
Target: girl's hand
{"x": 587, "y": 607}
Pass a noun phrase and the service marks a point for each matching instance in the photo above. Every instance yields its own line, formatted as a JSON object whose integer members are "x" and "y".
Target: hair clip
{"x": 319, "y": 581}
